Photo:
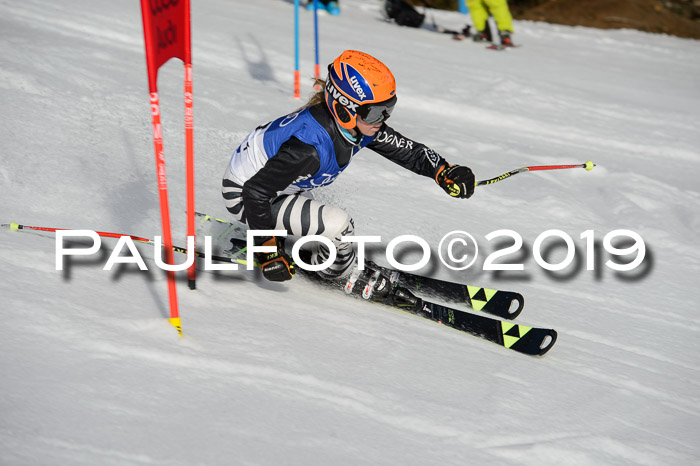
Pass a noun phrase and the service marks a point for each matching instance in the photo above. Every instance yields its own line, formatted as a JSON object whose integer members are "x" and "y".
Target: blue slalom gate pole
{"x": 297, "y": 84}
{"x": 463, "y": 7}
{"x": 317, "y": 69}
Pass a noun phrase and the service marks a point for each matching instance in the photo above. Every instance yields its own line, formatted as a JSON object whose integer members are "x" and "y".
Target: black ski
{"x": 404, "y": 295}
{"x": 506, "y": 304}
{"x": 521, "y": 338}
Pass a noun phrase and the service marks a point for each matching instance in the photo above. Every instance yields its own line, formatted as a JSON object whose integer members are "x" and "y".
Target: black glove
{"x": 456, "y": 180}
{"x": 276, "y": 266}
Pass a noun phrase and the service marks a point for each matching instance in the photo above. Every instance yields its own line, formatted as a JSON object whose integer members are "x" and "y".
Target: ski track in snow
{"x": 292, "y": 374}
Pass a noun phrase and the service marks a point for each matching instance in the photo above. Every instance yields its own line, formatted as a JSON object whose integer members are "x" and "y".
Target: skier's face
{"x": 366, "y": 129}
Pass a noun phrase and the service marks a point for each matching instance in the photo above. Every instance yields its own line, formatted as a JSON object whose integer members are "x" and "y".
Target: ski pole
{"x": 317, "y": 68}
{"x": 588, "y": 166}
{"x": 16, "y": 226}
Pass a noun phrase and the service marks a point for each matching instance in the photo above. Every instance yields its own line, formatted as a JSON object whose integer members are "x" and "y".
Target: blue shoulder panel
{"x": 303, "y": 126}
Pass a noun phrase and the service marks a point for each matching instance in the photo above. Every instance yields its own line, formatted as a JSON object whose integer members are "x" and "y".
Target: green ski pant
{"x": 480, "y": 9}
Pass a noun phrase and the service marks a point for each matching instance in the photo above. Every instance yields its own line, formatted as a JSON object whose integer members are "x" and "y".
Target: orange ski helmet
{"x": 358, "y": 83}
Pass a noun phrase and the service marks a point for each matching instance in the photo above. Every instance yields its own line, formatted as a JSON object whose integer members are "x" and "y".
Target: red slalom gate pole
{"x": 165, "y": 210}
{"x": 588, "y": 166}
{"x": 189, "y": 158}
{"x": 166, "y": 28}
{"x": 189, "y": 141}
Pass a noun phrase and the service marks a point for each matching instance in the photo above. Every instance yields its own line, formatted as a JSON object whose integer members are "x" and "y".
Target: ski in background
{"x": 468, "y": 33}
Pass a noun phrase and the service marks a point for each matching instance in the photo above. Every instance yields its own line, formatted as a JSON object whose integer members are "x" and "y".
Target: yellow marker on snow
{"x": 175, "y": 322}
{"x": 589, "y": 165}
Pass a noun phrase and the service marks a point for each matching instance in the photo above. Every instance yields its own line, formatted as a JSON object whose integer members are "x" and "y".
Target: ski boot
{"x": 506, "y": 40}
{"x": 483, "y": 36}
{"x": 374, "y": 283}
{"x": 480, "y": 36}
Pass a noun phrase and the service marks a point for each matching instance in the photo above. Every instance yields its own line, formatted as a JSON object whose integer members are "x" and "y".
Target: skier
{"x": 269, "y": 174}
{"x": 480, "y": 10}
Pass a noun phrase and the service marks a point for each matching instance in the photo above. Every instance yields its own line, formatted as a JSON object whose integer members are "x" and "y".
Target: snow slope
{"x": 92, "y": 373}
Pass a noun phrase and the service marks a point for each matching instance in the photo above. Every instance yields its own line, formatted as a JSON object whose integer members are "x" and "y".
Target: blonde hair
{"x": 318, "y": 96}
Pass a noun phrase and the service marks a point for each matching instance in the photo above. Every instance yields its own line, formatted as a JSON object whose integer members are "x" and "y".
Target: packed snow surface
{"x": 93, "y": 374}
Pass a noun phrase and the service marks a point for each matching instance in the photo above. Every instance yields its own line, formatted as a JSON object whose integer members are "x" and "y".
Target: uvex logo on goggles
{"x": 338, "y": 96}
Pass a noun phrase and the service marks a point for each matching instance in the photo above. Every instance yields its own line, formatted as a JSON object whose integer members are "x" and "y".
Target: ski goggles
{"x": 373, "y": 114}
